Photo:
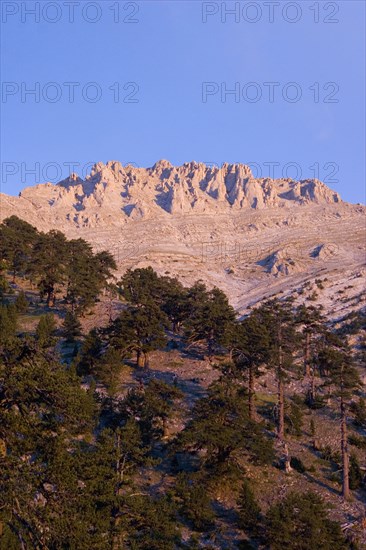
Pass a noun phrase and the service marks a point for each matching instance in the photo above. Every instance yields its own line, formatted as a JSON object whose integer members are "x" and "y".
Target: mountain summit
{"x": 251, "y": 237}
{"x": 113, "y": 193}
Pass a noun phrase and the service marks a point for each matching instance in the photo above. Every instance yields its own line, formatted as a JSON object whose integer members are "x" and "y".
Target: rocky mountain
{"x": 114, "y": 194}
{"x": 251, "y": 237}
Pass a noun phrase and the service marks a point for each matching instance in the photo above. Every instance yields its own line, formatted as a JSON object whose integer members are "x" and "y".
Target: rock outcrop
{"x": 113, "y": 194}
{"x": 251, "y": 237}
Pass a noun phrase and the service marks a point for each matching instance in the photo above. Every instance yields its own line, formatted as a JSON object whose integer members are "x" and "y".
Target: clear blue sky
{"x": 171, "y": 49}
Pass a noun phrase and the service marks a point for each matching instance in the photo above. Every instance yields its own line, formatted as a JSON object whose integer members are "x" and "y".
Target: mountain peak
{"x": 115, "y": 194}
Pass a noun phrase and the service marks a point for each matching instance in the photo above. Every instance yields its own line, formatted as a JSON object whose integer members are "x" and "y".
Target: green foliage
{"x": 8, "y": 326}
{"x": 359, "y": 411}
{"x": 294, "y": 419}
{"x": 327, "y": 453}
{"x": 55, "y": 264}
{"x": 140, "y": 286}
{"x": 75, "y": 494}
{"x": 153, "y": 524}
{"x": 300, "y": 522}
{"x": 353, "y": 323}
{"x": 251, "y": 348}
{"x": 195, "y": 502}
{"x": 86, "y": 274}
{"x": 151, "y": 406}
{"x": 336, "y": 363}
{"x": 90, "y": 353}
{"x": 249, "y": 513}
{"x": 357, "y": 441}
{"x": 17, "y": 239}
{"x": 108, "y": 370}
{"x": 45, "y": 331}
{"x": 4, "y": 285}
{"x": 355, "y": 473}
{"x": 210, "y": 319}
{"x": 297, "y": 464}
{"x": 71, "y": 327}
{"x": 252, "y": 342}
{"x": 280, "y": 322}
{"x": 75, "y": 480}
{"x": 316, "y": 402}
{"x": 221, "y": 432}
{"x": 47, "y": 265}
{"x": 140, "y": 329}
{"x": 21, "y": 303}
{"x": 43, "y": 411}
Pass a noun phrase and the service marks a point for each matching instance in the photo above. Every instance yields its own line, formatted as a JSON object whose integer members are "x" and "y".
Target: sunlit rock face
{"x": 251, "y": 237}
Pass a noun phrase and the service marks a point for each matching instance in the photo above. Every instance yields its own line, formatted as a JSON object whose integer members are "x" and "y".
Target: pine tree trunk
{"x": 307, "y": 355}
{"x": 139, "y": 359}
{"x": 146, "y": 360}
{"x": 281, "y": 411}
{"x": 281, "y": 397}
{"x": 210, "y": 346}
{"x": 287, "y": 459}
{"x": 345, "y": 457}
{"x": 311, "y": 391}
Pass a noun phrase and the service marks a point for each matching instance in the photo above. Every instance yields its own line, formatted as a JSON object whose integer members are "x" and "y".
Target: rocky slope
{"x": 251, "y": 237}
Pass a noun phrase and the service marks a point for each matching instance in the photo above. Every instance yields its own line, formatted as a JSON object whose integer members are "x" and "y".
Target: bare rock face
{"x": 251, "y": 237}
{"x": 281, "y": 263}
{"x": 113, "y": 194}
{"x": 325, "y": 251}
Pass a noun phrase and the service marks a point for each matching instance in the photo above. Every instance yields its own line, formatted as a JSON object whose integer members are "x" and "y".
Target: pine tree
{"x": 313, "y": 330}
{"x": 337, "y": 364}
{"x": 174, "y": 301}
{"x": 90, "y": 352}
{"x": 21, "y": 302}
{"x": 279, "y": 320}
{"x": 249, "y": 510}
{"x": 139, "y": 329}
{"x": 251, "y": 350}
{"x": 71, "y": 327}
{"x": 45, "y": 331}
{"x": 43, "y": 413}
{"x": 152, "y": 407}
{"x": 8, "y": 325}
{"x": 48, "y": 264}
{"x": 298, "y": 514}
{"x": 195, "y": 502}
{"x": 220, "y": 431}
{"x": 4, "y": 285}
{"x": 141, "y": 286}
{"x": 210, "y": 318}
{"x": 108, "y": 369}
{"x": 87, "y": 274}
{"x": 17, "y": 239}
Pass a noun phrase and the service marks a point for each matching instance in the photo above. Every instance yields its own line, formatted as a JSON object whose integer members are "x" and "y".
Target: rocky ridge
{"x": 251, "y": 237}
